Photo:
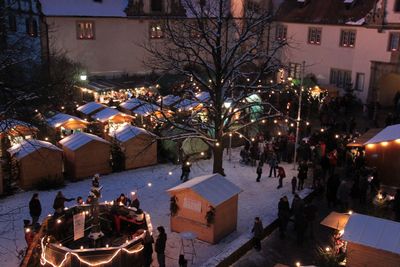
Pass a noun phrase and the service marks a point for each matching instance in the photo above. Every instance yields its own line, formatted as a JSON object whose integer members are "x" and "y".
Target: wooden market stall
{"x": 359, "y": 141}
{"x": 14, "y": 132}
{"x": 130, "y": 105}
{"x": 207, "y": 206}
{"x": 90, "y": 108}
{"x": 383, "y": 152}
{"x": 62, "y": 125}
{"x": 138, "y": 145}
{"x": 85, "y": 155}
{"x": 111, "y": 119}
{"x": 36, "y": 161}
{"x": 372, "y": 241}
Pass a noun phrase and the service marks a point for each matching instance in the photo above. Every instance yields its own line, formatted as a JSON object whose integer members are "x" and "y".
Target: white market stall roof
{"x": 61, "y": 118}
{"x": 336, "y": 220}
{"x": 146, "y": 109}
{"x": 128, "y": 132}
{"x": 169, "y": 100}
{"x": 26, "y": 147}
{"x": 9, "y": 124}
{"x": 90, "y": 107}
{"x": 373, "y": 232}
{"x": 203, "y": 96}
{"x": 388, "y": 134}
{"x": 77, "y": 140}
{"x": 214, "y": 188}
{"x": 359, "y": 141}
{"x": 132, "y": 103}
{"x": 187, "y": 104}
{"x": 107, "y": 114}
{"x": 104, "y": 8}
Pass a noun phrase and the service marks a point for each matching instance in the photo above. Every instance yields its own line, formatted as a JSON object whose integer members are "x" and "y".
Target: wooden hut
{"x": 36, "y": 160}
{"x": 359, "y": 141}
{"x": 85, "y": 155}
{"x": 138, "y": 145}
{"x": 130, "y": 105}
{"x": 14, "y": 132}
{"x": 207, "y": 206}
{"x": 372, "y": 241}
{"x": 89, "y": 109}
{"x": 111, "y": 119}
{"x": 63, "y": 124}
{"x": 383, "y": 152}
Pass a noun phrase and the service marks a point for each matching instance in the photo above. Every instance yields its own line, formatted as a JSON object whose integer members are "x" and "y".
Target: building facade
{"x": 346, "y": 44}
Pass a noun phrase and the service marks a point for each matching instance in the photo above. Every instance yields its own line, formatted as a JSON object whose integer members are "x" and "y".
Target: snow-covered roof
{"x": 203, "y": 96}
{"x": 373, "y": 232}
{"x": 390, "y": 133}
{"x": 132, "y": 103}
{"x": 90, "y": 8}
{"x": 214, "y": 188}
{"x": 61, "y": 118}
{"x": 77, "y": 140}
{"x": 90, "y": 107}
{"x": 107, "y": 114}
{"x": 146, "y": 109}
{"x": 169, "y": 100}
{"x": 9, "y": 124}
{"x": 128, "y": 132}
{"x": 187, "y": 104}
{"x": 26, "y": 147}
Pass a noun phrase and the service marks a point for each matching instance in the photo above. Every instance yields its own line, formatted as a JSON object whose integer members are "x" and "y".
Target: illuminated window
{"x": 314, "y": 35}
{"x": 394, "y": 41}
{"x": 85, "y": 30}
{"x": 295, "y": 70}
{"x": 347, "y": 38}
{"x": 281, "y": 32}
{"x": 156, "y": 31}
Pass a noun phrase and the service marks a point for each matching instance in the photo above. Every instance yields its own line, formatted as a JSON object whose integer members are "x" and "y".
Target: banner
{"x": 79, "y": 225}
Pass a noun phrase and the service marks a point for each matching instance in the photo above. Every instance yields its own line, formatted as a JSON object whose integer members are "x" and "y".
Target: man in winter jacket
{"x": 59, "y": 203}
{"x": 283, "y": 215}
{"x": 160, "y": 246}
{"x": 257, "y": 233}
{"x": 35, "y": 208}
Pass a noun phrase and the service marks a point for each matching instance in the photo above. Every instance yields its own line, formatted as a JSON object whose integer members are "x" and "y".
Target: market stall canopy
{"x": 111, "y": 114}
{"x": 336, "y": 220}
{"x": 103, "y": 85}
{"x": 25, "y": 148}
{"x": 373, "y": 232}
{"x": 128, "y": 132}
{"x": 146, "y": 109}
{"x": 203, "y": 96}
{"x": 214, "y": 188}
{"x": 90, "y": 107}
{"x": 67, "y": 121}
{"x": 16, "y": 127}
{"x": 77, "y": 140}
{"x": 132, "y": 103}
{"x": 390, "y": 133}
{"x": 187, "y": 105}
{"x": 169, "y": 100}
{"x": 359, "y": 141}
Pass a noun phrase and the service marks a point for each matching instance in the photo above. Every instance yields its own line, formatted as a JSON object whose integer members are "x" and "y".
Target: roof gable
{"x": 214, "y": 188}
{"x": 388, "y": 134}
{"x": 106, "y": 114}
{"x": 90, "y": 107}
{"x": 77, "y": 140}
{"x": 9, "y": 124}
{"x": 29, "y": 146}
{"x": 61, "y": 118}
{"x": 128, "y": 132}
{"x": 132, "y": 103}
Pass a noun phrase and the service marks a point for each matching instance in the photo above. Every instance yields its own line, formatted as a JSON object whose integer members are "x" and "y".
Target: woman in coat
{"x": 35, "y": 208}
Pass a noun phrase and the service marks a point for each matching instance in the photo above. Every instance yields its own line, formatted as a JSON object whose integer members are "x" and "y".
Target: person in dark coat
{"x": 283, "y": 215}
{"x": 148, "y": 249}
{"x": 273, "y": 164}
{"x": 331, "y": 190}
{"x": 123, "y": 200}
{"x": 182, "y": 261}
{"x": 160, "y": 246}
{"x": 59, "y": 202}
{"x": 302, "y": 175}
{"x": 257, "y": 233}
{"x": 259, "y": 171}
{"x": 35, "y": 208}
{"x": 281, "y": 175}
{"x": 396, "y": 205}
{"x": 294, "y": 184}
{"x": 310, "y": 213}
{"x": 185, "y": 170}
{"x": 134, "y": 200}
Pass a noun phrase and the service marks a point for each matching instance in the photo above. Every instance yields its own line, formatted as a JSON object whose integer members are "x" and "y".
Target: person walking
{"x": 281, "y": 175}
{"x": 182, "y": 261}
{"x": 302, "y": 174}
{"x": 259, "y": 171}
{"x": 160, "y": 246}
{"x": 283, "y": 215}
{"x": 294, "y": 184}
{"x": 310, "y": 212}
{"x": 185, "y": 170}
{"x": 148, "y": 249}
{"x": 273, "y": 163}
{"x": 35, "y": 208}
{"x": 257, "y": 233}
{"x": 396, "y": 205}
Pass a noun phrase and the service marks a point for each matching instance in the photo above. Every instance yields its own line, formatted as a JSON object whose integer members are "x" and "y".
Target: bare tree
{"x": 224, "y": 49}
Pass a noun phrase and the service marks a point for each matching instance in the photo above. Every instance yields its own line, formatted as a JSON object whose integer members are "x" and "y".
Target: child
{"x": 294, "y": 184}
{"x": 259, "y": 171}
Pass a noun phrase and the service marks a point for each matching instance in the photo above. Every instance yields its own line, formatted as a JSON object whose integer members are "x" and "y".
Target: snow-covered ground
{"x": 257, "y": 199}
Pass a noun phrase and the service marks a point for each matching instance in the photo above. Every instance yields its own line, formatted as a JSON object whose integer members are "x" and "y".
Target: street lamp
{"x": 296, "y": 144}
{"x": 83, "y": 77}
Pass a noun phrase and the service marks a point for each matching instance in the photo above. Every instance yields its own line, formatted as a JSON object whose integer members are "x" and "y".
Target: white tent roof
{"x": 373, "y": 232}
{"x": 107, "y": 114}
{"x": 169, "y": 100}
{"x": 8, "y": 124}
{"x": 28, "y": 146}
{"x": 62, "y": 118}
{"x": 214, "y": 188}
{"x": 104, "y": 8}
{"x": 128, "y": 132}
{"x": 132, "y": 103}
{"x": 187, "y": 104}
{"x": 203, "y": 96}
{"x": 145, "y": 109}
{"x": 77, "y": 140}
{"x": 390, "y": 133}
{"x": 90, "y": 107}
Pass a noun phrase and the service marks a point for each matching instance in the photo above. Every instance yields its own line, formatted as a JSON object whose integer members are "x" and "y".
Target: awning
{"x": 359, "y": 141}
{"x": 336, "y": 220}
